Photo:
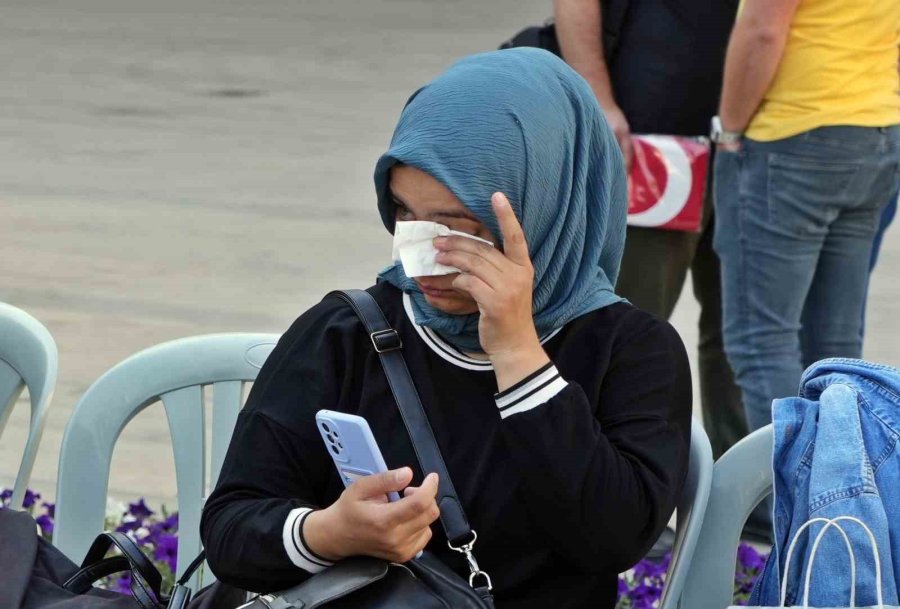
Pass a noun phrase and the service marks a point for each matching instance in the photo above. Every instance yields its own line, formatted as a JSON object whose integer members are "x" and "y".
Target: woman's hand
{"x": 501, "y": 283}
{"x": 363, "y": 523}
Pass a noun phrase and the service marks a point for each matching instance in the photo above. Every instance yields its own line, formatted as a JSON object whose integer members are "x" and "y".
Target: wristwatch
{"x": 719, "y": 136}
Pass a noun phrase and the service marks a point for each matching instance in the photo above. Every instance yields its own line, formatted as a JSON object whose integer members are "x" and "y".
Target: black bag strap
{"x": 189, "y": 572}
{"x": 85, "y": 577}
{"x": 95, "y": 566}
{"x": 181, "y": 594}
{"x": 387, "y": 343}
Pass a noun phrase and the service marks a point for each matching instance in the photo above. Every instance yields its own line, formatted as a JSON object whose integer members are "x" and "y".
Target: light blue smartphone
{"x": 352, "y": 446}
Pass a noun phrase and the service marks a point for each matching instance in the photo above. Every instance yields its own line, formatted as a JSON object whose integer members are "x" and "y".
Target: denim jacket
{"x": 835, "y": 454}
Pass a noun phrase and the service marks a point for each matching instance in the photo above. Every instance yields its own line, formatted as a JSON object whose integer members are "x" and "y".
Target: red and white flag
{"x": 667, "y": 182}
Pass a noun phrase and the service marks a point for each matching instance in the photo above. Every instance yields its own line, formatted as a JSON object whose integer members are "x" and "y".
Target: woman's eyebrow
{"x": 461, "y": 215}
{"x": 454, "y": 214}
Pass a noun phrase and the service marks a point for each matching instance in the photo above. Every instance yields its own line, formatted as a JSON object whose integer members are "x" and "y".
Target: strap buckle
{"x": 386, "y": 340}
{"x": 474, "y": 569}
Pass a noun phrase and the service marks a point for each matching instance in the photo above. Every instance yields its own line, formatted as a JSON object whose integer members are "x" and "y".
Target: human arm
{"x": 754, "y": 52}
{"x": 262, "y": 527}
{"x": 579, "y": 31}
{"x": 608, "y": 468}
{"x": 601, "y": 474}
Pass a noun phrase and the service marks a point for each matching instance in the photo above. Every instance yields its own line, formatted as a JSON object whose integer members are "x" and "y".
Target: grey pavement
{"x": 180, "y": 167}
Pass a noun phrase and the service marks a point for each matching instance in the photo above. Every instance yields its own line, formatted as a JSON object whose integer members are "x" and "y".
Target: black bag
{"x": 422, "y": 583}
{"x": 538, "y": 36}
{"x": 544, "y": 36}
{"x": 34, "y": 574}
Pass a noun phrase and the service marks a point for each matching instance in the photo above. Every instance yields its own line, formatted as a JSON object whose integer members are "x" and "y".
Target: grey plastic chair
{"x": 174, "y": 373}
{"x": 690, "y": 515}
{"x": 742, "y": 478}
{"x": 28, "y": 358}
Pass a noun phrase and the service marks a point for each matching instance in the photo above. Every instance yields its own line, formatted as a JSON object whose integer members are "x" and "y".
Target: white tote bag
{"x": 832, "y": 523}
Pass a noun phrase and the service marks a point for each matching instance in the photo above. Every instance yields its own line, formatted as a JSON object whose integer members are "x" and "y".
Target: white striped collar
{"x": 447, "y": 351}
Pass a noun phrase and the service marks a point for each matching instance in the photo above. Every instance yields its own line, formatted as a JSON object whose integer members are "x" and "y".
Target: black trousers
{"x": 654, "y": 268}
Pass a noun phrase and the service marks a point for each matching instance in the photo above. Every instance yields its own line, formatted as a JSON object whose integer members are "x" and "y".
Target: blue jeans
{"x": 795, "y": 223}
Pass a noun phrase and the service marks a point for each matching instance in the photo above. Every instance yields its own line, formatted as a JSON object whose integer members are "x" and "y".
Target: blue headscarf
{"x": 522, "y": 122}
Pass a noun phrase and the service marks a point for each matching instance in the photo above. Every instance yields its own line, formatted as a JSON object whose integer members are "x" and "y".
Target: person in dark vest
{"x": 656, "y": 68}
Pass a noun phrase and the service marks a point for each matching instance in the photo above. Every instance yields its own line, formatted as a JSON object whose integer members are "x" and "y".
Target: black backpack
{"x": 34, "y": 574}
{"x": 544, "y": 36}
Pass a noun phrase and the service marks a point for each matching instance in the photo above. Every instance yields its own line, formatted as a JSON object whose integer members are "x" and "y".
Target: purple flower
{"x": 5, "y": 495}
{"x": 46, "y": 524}
{"x": 749, "y": 558}
{"x": 654, "y": 569}
{"x": 51, "y": 509}
{"x": 30, "y": 498}
{"x": 167, "y": 550}
{"x": 171, "y": 523}
{"x": 622, "y": 589}
{"x": 122, "y": 584}
{"x": 129, "y": 526}
{"x": 140, "y": 510}
{"x": 644, "y": 596}
{"x": 750, "y": 565}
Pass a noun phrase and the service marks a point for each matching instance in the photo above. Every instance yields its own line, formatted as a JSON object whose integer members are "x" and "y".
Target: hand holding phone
{"x": 357, "y": 523}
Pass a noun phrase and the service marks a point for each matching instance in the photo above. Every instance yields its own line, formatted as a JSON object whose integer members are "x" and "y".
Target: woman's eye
{"x": 402, "y": 212}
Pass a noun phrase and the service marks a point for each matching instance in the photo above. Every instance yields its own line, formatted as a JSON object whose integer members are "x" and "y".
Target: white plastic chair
{"x": 174, "y": 373}
{"x": 742, "y": 478}
{"x": 690, "y": 515}
{"x": 28, "y": 358}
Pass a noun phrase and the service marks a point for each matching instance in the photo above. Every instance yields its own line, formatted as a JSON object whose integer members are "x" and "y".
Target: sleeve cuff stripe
{"x": 536, "y": 399}
{"x": 526, "y": 386}
{"x": 299, "y": 554}
{"x": 304, "y": 547}
{"x": 533, "y": 388}
{"x": 300, "y": 544}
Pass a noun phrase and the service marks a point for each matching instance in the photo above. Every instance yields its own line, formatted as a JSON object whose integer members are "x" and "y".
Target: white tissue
{"x": 413, "y": 247}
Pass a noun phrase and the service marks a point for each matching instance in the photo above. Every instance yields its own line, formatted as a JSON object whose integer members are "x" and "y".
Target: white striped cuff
{"x": 294, "y": 544}
{"x": 530, "y": 392}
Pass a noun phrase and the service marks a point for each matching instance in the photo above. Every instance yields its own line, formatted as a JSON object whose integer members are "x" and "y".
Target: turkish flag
{"x": 667, "y": 182}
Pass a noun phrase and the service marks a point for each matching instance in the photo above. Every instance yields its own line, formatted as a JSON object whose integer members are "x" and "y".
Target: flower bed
{"x": 157, "y": 535}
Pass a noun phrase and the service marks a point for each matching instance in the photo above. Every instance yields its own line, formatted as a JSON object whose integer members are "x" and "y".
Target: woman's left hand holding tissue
{"x": 501, "y": 283}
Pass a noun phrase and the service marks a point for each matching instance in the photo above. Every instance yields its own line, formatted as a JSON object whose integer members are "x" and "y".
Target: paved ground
{"x": 180, "y": 167}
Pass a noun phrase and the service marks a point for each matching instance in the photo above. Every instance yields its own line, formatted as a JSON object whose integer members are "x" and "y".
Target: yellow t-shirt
{"x": 839, "y": 68}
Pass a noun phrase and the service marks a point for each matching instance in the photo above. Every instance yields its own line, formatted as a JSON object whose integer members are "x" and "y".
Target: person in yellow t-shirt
{"x": 808, "y": 154}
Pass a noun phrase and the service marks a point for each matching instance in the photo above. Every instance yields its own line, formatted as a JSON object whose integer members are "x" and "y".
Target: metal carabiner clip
{"x": 474, "y": 570}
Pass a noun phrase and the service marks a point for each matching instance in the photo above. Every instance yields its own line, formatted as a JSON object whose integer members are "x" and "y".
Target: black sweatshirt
{"x": 568, "y": 477}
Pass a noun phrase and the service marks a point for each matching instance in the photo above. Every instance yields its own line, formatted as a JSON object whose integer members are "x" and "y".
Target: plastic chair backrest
{"x": 174, "y": 373}
{"x": 28, "y": 358}
{"x": 742, "y": 478}
{"x": 690, "y": 515}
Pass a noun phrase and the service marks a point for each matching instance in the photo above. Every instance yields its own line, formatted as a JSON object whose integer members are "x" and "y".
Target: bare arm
{"x": 578, "y": 28}
{"x": 754, "y": 52}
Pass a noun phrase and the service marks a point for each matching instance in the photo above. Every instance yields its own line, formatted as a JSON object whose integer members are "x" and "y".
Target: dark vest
{"x": 666, "y": 62}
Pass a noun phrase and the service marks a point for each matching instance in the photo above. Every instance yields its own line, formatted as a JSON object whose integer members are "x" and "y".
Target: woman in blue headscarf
{"x": 562, "y": 412}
